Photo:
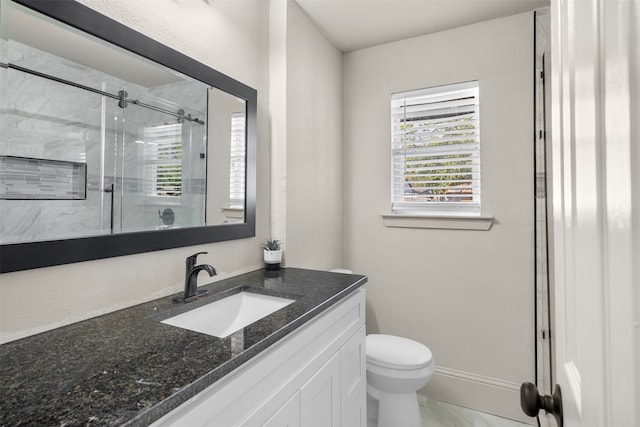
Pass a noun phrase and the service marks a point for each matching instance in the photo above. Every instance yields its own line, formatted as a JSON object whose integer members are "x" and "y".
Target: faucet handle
{"x": 191, "y": 260}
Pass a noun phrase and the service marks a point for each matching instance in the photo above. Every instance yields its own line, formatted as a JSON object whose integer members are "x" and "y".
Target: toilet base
{"x": 393, "y": 410}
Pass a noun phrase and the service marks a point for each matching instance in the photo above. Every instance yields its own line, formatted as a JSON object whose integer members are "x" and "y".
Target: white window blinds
{"x": 435, "y": 137}
{"x": 237, "y": 173}
{"x": 163, "y": 160}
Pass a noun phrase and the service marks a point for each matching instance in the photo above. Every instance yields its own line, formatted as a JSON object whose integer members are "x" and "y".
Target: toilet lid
{"x": 394, "y": 352}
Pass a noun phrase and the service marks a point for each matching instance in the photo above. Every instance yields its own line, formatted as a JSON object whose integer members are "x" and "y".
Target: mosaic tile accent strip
{"x": 24, "y": 178}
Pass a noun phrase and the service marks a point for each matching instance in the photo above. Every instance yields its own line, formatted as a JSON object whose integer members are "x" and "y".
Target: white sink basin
{"x": 223, "y": 317}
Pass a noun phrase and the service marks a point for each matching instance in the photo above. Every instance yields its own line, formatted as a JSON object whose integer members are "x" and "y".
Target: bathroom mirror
{"x": 112, "y": 143}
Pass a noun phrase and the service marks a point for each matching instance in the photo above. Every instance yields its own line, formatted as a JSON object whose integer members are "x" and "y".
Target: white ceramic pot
{"x": 273, "y": 257}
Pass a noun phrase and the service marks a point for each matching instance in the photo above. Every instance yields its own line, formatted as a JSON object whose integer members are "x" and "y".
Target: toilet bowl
{"x": 396, "y": 368}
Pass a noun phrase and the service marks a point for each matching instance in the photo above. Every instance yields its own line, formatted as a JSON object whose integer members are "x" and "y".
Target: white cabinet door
{"x": 320, "y": 396}
{"x": 288, "y": 415}
{"x": 356, "y": 415}
{"x": 353, "y": 373}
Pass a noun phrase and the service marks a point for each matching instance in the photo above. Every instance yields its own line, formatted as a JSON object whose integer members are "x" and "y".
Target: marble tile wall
{"x": 47, "y": 120}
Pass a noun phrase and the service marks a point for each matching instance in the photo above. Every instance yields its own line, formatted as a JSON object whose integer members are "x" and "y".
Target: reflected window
{"x": 163, "y": 160}
{"x": 237, "y": 162}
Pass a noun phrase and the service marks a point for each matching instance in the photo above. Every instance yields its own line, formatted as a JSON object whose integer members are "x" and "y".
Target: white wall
{"x": 307, "y": 126}
{"x": 466, "y": 294}
{"x": 229, "y": 36}
{"x": 221, "y": 108}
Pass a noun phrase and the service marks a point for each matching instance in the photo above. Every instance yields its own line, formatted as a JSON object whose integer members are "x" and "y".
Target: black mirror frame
{"x": 24, "y": 256}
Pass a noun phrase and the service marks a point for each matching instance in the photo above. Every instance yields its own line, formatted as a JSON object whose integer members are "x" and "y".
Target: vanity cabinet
{"x": 316, "y": 376}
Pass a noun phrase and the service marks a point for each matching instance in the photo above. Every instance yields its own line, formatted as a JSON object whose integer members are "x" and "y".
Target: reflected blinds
{"x": 435, "y": 136}
{"x": 237, "y": 175}
{"x": 163, "y": 160}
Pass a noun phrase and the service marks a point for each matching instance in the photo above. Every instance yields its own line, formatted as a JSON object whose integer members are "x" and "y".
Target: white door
{"x": 596, "y": 209}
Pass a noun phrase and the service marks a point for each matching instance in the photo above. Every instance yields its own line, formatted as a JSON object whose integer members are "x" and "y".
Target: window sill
{"x": 444, "y": 222}
{"x": 233, "y": 212}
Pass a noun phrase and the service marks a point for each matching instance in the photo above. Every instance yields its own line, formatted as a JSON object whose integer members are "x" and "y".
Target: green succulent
{"x": 272, "y": 245}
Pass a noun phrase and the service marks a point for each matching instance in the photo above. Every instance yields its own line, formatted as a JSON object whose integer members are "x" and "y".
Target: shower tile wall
{"x": 47, "y": 120}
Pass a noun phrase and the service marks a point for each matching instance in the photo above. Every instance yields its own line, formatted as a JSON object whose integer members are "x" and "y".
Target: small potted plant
{"x": 272, "y": 255}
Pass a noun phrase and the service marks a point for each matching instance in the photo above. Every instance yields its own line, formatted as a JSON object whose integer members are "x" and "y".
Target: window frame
{"x": 443, "y": 97}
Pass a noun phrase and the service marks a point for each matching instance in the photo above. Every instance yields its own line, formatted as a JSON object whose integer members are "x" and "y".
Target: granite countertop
{"x": 127, "y": 368}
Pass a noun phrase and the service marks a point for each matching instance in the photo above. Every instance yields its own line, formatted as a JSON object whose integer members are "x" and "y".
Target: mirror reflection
{"x": 98, "y": 141}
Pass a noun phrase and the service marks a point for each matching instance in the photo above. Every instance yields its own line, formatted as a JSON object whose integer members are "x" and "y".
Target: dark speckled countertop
{"x": 127, "y": 368}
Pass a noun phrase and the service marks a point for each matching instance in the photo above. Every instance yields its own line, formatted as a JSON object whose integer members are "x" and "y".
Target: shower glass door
{"x": 161, "y": 166}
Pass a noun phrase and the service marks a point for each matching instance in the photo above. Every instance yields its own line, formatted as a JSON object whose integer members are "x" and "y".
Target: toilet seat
{"x": 388, "y": 351}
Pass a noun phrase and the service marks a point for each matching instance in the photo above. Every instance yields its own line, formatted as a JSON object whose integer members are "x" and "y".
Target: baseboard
{"x": 481, "y": 393}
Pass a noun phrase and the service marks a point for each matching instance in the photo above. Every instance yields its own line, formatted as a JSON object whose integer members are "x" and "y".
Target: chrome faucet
{"x": 191, "y": 291}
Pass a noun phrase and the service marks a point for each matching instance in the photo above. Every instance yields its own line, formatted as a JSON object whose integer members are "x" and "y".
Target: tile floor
{"x": 440, "y": 414}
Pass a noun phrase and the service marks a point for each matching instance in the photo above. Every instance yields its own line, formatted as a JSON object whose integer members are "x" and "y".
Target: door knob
{"x": 531, "y": 402}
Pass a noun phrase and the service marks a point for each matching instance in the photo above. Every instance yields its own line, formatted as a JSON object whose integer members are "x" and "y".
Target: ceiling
{"x": 33, "y": 29}
{"x": 356, "y": 24}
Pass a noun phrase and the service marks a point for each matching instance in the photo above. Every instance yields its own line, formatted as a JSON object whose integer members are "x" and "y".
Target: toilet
{"x": 396, "y": 368}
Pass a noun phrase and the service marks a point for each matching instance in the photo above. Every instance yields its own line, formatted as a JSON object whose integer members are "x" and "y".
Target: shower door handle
{"x": 110, "y": 190}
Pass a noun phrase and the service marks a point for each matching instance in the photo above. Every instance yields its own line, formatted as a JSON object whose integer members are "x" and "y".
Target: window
{"x": 435, "y": 140}
{"x": 163, "y": 160}
{"x": 237, "y": 162}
